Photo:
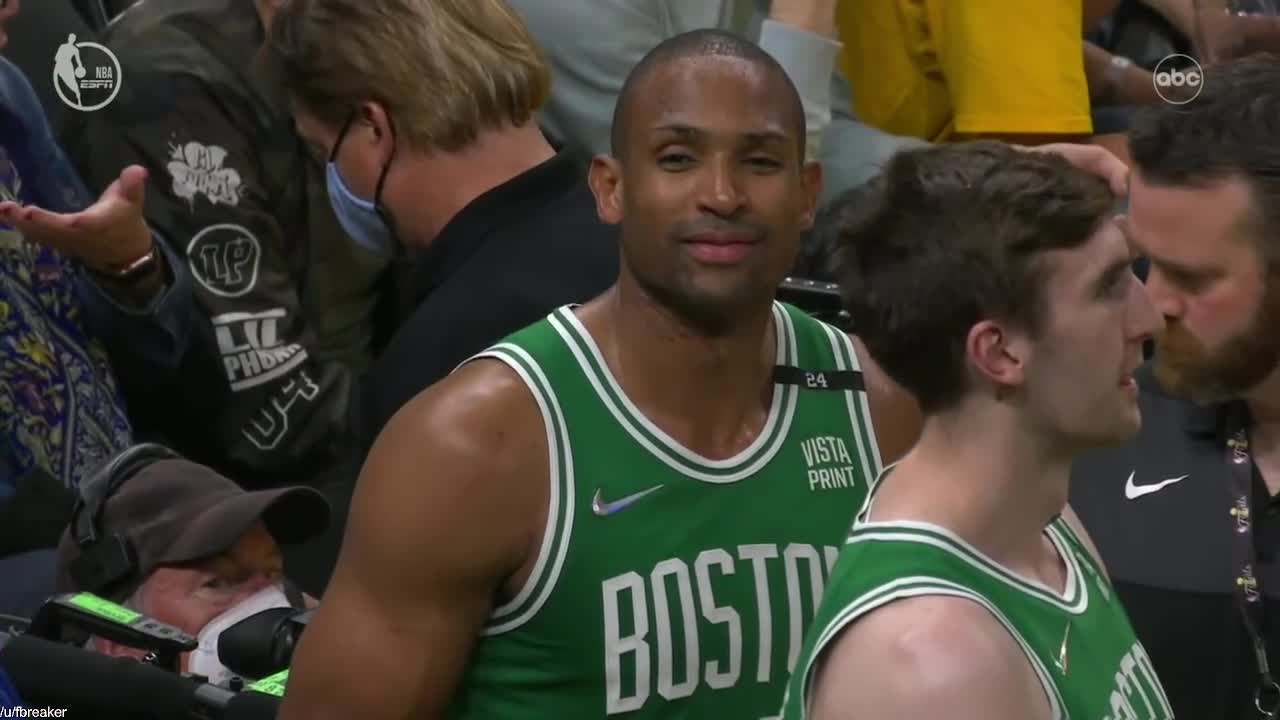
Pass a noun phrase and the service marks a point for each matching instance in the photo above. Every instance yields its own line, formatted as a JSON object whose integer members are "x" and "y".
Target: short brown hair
{"x": 953, "y": 235}
{"x": 445, "y": 69}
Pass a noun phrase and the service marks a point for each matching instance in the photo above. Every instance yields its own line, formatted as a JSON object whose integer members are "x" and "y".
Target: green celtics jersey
{"x": 1079, "y": 643}
{"x": 670, "y": 585}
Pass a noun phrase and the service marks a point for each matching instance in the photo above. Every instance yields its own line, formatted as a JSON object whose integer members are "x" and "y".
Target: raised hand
{"x": 106, "y": 237}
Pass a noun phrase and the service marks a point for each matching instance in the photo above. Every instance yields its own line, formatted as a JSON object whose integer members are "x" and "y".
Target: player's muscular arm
{"x": 894, "y": 411}
{"x": 443, "y": 518}
{"x": 925, "y": 658}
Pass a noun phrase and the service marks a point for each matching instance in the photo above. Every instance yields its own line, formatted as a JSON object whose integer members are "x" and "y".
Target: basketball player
{"x": 996, "y": 287}
{"x": 68, "y": 67}
{"x": 626, "y": 508}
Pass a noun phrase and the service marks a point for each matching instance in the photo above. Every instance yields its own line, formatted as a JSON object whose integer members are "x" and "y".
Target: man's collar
{"x": 511, "y": 202}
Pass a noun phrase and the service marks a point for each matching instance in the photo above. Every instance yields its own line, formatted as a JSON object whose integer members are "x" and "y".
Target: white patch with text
{"x": 197, "y": 169}
{"x": 830, "y": 464}
{"x": 224, "y": 259}
{"x": 251, "y": 348}
{"x": 271, "y": 424}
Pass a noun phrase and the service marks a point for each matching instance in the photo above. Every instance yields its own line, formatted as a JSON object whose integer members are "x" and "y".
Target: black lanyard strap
{"x": 1266, "y": 693}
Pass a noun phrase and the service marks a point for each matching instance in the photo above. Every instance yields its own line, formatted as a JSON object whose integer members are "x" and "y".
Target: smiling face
{"x": 1210, "y": 280}
{"x": 710, "y": 187}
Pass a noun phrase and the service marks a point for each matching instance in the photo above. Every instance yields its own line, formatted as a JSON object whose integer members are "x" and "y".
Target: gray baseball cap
{"x": 176, "y": 511}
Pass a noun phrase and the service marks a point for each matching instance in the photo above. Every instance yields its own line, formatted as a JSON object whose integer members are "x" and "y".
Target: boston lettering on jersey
{"x": 1137, "y": 694}
{"x": 670, "y": 585}
{"x": 677, "y": 599}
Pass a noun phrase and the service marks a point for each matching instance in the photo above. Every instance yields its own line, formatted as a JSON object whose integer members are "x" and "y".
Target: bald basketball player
{"x": 627, "y": 507}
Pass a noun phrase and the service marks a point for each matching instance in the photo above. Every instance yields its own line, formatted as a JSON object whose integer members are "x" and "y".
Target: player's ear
{"x": 996, "y": 354}
{"x": 605, "y": 179}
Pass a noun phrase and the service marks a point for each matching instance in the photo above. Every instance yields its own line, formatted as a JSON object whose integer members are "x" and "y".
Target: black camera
{"x": 263, "y": 644}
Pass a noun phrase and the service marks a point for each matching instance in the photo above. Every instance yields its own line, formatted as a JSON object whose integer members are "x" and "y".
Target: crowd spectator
{"x": 181, "y": 544}
{"x": 950, "y": 71}
{"x": 73, "y": 272}
{"x": 289, "y": 310}
{"x": 593, "y": 45}
{"x": 424, "y": 114}
{"x": 432, "y": 143}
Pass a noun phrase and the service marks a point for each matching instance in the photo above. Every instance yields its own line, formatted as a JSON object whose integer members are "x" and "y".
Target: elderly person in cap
{"x": 180, "y": 543}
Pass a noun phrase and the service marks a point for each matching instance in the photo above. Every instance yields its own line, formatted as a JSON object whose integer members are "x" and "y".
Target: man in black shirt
{"x": 425, "y": 114}
{"x": 1186, "y": 517}
{"x": 432, "y": 147}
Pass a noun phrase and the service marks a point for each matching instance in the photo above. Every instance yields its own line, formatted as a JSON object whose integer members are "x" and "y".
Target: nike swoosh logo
{"x": 602, "y": 508}
{"x": 1133, "y": 492}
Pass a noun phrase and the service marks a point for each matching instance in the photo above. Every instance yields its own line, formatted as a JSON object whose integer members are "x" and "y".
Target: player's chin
{"x": 4, "y": 39}
{"x": 1125, "y": 426}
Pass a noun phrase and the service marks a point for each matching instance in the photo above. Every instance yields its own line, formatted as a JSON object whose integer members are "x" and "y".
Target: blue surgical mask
{"x": 359, "y": 217}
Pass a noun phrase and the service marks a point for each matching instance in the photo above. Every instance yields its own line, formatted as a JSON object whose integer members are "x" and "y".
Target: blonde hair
{"x": 445, "y": 69}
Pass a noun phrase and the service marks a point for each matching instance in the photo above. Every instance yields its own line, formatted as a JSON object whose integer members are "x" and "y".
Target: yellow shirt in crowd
{"x": 934, "y": 68}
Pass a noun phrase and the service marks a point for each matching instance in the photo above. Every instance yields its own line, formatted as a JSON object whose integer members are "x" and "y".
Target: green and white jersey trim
{"x": 919, "y": 586}
{"x": 859, "y": 407}
{"x": 661, "y": 445}
{"x": 555, "y": 538}
{"x": 1075, "y": 595}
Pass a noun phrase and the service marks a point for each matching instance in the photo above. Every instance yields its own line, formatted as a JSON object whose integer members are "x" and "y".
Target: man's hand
{"x": 1090, "y": 158}
{"x": 106, "y": 236}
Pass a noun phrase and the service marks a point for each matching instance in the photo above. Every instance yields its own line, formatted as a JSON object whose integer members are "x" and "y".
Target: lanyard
{"x": 1266, "y": 694}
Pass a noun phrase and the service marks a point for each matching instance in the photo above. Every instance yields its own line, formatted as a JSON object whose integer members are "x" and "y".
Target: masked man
{"x": 207, "y": 552}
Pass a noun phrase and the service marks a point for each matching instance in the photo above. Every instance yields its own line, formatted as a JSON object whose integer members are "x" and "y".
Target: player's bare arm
{"x": 441, "y": 528}
{"x": 925, "y": 658}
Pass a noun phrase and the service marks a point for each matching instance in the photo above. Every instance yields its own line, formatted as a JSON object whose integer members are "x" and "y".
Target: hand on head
{"x": 1090, "y": 158}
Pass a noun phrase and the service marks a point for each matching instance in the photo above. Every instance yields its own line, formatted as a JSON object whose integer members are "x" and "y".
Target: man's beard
{"x": 1185, "y": 367}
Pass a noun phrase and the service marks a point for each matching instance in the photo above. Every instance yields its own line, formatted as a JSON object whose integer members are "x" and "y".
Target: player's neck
{"x": 440, "y": 185}
{"x": 987, "y": 479}
{"x": 710, "y": 393}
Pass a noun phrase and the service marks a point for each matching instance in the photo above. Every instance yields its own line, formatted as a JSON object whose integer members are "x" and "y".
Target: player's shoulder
{"x": 928, "y": 635}
{"x": 918, "y": 654}
{"x": 481, "y": 390}
{"x": 483, "y": 413}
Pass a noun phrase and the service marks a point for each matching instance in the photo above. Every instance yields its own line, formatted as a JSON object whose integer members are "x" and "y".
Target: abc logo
{"x": 1178, "y": 79}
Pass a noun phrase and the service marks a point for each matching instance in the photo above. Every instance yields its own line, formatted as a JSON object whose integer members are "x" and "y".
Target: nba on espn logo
{"x": 1178, "y": 79}
{"x": 86, "y": 75}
